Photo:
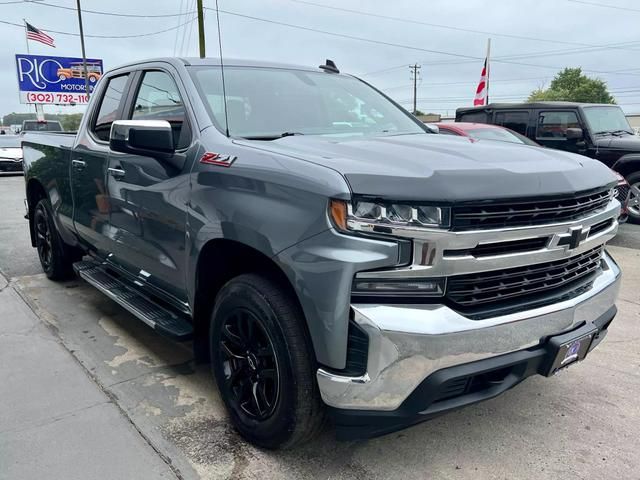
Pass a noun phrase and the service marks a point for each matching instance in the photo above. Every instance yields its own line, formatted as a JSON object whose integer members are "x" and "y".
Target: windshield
{"x": 268, "y": 103}
{"x": 500, "y": 134}
{"x": 606, "y": 119}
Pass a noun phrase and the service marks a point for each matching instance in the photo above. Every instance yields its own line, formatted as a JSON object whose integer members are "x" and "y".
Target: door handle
{"x": 78, "y": 164}
{"x": 116, "y": 172}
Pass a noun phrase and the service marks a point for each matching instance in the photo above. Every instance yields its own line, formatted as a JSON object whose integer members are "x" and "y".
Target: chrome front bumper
{"x": 407, "y": 343}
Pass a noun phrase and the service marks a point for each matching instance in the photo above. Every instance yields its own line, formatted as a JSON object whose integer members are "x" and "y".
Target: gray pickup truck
{"x": 326, "y": 252}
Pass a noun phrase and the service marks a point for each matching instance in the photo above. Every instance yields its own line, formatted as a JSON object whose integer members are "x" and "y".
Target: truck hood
{"x": 431, "y": 167}
{"x": 629, "y": 143}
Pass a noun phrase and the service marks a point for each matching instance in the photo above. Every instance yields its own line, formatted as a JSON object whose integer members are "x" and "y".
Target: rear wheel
{"x": 55, "y": 256}
{"x": 634, "y": 197}
{"x": 260, "y": 356}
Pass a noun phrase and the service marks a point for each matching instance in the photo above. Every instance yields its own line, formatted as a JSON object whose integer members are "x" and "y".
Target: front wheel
{"x": 262, "y": 363}
{"x": 55, "y": 256}
{"x": 634, "y": 197}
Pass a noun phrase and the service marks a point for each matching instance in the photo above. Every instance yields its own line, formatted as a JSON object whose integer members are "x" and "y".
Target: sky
{"x": 375, "y": 39}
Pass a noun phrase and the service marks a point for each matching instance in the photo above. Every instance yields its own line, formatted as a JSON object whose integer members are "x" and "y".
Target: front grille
{"x": 622, "y": 192}
{"x": 501, "y": 248}
{"x": 541, "y": 283}
{"x": 524, "y": 213}
{"x": 10, "y": 166}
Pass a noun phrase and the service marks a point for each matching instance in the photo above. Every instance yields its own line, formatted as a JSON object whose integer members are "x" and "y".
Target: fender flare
{"x": 627, "y": 163}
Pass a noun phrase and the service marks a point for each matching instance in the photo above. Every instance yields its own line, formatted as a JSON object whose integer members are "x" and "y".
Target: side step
{"x": 156, "y": 316}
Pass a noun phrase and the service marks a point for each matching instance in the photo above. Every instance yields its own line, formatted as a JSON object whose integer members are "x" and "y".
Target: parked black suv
{"x": 595, "y": 130}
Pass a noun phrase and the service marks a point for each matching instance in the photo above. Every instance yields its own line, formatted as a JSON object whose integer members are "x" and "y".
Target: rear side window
{"x": 554, "y": 125}
{"x": 158, "y": 98}
{"x": 516, "y": 121}
{"x": 473, "y": 117}
{"x": 108, "y": 110}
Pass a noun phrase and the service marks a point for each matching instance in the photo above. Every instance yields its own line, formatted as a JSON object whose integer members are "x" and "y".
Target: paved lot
{"x": 581, "y": 424}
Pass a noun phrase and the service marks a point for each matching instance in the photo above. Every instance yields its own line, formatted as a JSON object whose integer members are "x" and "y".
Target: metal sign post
{"x": 84, "y": 55}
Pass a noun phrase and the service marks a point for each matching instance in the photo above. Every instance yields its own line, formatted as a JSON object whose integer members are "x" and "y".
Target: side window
{"x": 109, "y": 107}
{"x": 474, "y": 117}
{"x": 516, "y": 121}
{"x": 159, "y": 99}
{"x": 445, "y": 131}
{"x": 554, "y": 125}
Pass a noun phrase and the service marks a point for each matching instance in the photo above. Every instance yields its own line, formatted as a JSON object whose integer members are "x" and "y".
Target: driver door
{"x": 552, "y": 128}
{"x": 148, "y": 195}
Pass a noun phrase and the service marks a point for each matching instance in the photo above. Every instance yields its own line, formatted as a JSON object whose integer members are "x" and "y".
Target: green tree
{"x": 69, "y": 121}
{"x": 571, "y": 85}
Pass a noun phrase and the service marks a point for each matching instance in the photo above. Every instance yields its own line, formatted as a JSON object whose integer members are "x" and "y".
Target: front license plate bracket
{"x": 569, "y": 348}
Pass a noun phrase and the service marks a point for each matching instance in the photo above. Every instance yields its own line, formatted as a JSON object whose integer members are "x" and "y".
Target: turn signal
{"x": 338, "y": 213}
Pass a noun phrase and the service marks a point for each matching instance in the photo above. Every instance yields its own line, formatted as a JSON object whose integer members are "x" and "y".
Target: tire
{"x": 56, "y": 258}
{"x": 634, "y": 197}
{"x": 262, "y": 362}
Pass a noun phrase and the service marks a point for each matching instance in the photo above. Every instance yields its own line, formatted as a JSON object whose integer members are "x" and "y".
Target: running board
{"x": 156, "y": 316}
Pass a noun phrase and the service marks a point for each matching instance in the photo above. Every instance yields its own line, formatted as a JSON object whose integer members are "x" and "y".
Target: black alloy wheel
{"x": 263, "y": 362}
{"x": 55, "y": 256}
{"x": 249, "y": 363}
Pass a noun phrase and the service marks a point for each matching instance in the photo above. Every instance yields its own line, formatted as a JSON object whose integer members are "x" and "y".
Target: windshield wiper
{"x": 272, "y": 137}
{"x": 612, "y": 132}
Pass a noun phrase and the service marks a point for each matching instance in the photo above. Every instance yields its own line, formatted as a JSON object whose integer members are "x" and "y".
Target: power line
{"x": 175, "y": 41}
{"x": 519, "y": 56}
{"x": 595, "y": 4}
{"x": 344, "y": 35}
{"x": 507, "y": 80}
{"x": 99, "y": 12}
{"x": 448, "y": 27}
{"x": 138, "y": 35}
{"x": 397, "y": 45}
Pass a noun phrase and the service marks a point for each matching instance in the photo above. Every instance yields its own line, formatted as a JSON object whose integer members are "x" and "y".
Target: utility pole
{"x": 201, "y": 29}
{"x": 84, "y": 55}
{"x": 414, "y": 73}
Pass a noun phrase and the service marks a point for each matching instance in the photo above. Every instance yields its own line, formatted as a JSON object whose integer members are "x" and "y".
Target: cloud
{"x": 446, "y": 81}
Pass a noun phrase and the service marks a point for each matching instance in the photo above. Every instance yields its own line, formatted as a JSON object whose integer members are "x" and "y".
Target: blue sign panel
{"x": 55, "y": 80}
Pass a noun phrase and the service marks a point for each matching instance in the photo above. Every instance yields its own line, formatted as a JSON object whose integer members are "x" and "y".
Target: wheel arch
{"x": 219, "y": 261}
{"x": 627, "y": 164}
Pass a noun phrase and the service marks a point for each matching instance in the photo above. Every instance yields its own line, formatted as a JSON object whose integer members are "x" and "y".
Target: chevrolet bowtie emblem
{"x": 574, "y": 238}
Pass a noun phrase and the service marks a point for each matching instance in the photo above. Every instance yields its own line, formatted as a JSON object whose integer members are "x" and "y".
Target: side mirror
{"x": 574, "y": 134}
{"x": 433, "y": 128}
{"x": 152, "y": 138}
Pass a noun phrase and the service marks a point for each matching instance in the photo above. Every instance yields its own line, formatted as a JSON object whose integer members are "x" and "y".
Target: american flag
{"x": 38, "y": 35}
{"x": 481, "y": 91}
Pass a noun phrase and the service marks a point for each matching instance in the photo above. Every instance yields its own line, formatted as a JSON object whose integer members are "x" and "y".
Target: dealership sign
{"x": 55, "y": 80}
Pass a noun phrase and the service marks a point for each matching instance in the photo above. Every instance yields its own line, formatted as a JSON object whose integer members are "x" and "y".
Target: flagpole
{"x": 84, "y": 55}
{"x": 25, "y": 35}
{"x": 488, "y": 68}
{"x": 26, "y": 38}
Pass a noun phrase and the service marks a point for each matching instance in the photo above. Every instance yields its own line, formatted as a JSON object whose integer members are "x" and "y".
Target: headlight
{"x": 382, "y": 217}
